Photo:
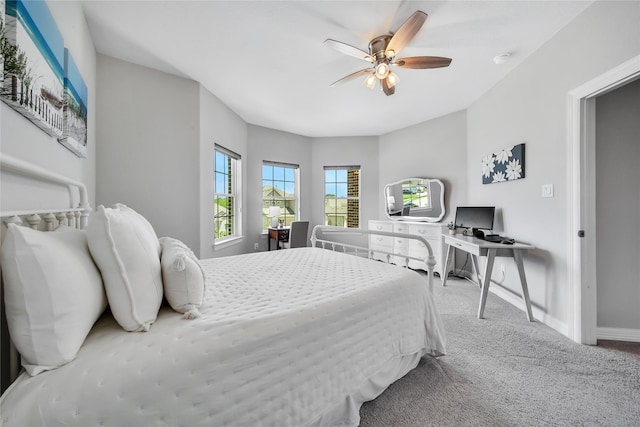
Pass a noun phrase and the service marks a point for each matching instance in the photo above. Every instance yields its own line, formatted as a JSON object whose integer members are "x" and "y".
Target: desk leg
{"x": 491, "y": 255}
{"x": 447, "y": 267}
{"x": 476, "y": 269}
{"x": 517, "y": 256}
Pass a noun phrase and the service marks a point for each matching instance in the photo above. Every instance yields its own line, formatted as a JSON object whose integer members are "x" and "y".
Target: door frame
{"x": 581, "y": 209}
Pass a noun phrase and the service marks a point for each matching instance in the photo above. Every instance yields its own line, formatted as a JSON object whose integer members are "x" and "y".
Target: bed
{"x": 298, "y": 337}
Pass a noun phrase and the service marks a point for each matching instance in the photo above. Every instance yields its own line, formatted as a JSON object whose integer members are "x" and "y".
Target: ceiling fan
{"x": 383, "y": 51}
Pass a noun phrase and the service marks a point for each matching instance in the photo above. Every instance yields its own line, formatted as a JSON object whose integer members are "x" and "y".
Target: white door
{"x": 581, "y": 271}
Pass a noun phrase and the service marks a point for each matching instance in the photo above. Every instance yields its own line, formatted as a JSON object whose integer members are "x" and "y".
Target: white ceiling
{"x": 267, "y": 62}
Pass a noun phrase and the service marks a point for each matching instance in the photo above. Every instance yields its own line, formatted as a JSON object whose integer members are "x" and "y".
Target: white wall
{"x": 530, "y": 105}
{"x": 156, "y": 130}
{"x": 432, "y": 149}
{"x": 22, "y": 139}
{"x": 346, "y": 151}
{"x": 148, "y": 146}
{"x": 618, "y": 207}
{"x": 219, "y": 125}
{"x": 277, "y": 146}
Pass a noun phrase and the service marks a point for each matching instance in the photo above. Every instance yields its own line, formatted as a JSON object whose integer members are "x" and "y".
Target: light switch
{"x": 547, "y": 190}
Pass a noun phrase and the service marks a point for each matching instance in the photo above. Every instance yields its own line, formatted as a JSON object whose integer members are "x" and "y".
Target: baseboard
{"x": 618, "y": 334}
{"x": 516, "y": 300}
{"x": 538, "y": 314}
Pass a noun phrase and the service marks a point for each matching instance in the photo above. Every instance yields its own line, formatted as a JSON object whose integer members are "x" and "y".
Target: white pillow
{"x": 127, "y": 252}
{"x": 183, "y": 277}
{"x": 53, "y": 294}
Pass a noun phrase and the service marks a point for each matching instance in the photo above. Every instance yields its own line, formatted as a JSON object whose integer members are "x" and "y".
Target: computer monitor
{"x": 475, "y": 217}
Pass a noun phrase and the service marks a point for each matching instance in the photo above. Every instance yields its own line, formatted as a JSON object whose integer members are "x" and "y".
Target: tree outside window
{"x": 225, "y": 208}
{"x": 342, "y": 196}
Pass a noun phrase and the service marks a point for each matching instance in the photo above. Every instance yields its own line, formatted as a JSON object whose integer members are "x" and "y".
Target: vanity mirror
{"x": 415, "y": 199}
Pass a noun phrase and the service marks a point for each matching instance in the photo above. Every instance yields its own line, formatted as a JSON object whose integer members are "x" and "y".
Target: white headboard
{"x": 75, "y": 215}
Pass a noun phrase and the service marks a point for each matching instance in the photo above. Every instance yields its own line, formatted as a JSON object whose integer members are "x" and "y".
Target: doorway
{"x": 581, "y": 249}
{"x": 618, "y": 213}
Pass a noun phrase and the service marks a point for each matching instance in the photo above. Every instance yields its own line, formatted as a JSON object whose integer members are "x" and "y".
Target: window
{"x": 415, "y": 194}
{"x": 342, "y": 196}
{"x": 226, "y": 197}
{"x": 280, "y": 188}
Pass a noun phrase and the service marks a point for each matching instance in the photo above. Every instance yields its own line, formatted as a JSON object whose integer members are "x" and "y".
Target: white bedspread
{"x": 296, "y": 337}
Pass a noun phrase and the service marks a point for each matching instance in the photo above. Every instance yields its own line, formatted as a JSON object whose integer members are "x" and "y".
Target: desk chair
{"x": 297, "y": 235}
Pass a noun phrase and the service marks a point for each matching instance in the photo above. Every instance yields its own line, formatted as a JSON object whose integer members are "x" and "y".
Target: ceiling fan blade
{"x": 401, "y": 10}
{"x": 407, "y": 31}
{"x": 423, "y": 62}
{"x": 347, "y": 49}
{"x": 387, "y": 88}
{"x": 352, "y": 76}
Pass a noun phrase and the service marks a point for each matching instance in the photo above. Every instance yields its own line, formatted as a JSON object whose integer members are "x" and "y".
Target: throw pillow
{"x": 53, "y": 294}
{"x": 183, "y": 277}
{"x": 126, "y": 249}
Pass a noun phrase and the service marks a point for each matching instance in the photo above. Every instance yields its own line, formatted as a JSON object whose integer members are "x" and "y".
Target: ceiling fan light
{"x": 393, "y": 79}
{"x": 382, "y": 70}
{"x": 390, "y": 54}
{"x": 370, "y": 81}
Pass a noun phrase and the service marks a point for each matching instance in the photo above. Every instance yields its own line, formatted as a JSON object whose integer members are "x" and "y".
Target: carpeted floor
{"x": 506, "y": 371}
{"x": 629, "y": 347}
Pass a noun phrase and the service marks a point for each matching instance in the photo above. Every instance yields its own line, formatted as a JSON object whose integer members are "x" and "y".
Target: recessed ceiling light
{"x": 502, "y": 58}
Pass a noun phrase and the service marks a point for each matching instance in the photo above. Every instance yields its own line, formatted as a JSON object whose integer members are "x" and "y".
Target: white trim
{"x": 573, "y": 217}
{"x": 516, "y": 300}
{"x": 538, "y": 314}
{"x": 235, "y": 174}
{"x": 238, "y": 193}
{"x": 358, "y": 197}
{"x": 227, "y": 242}
{"x": 619, "y": 334}
{"x": 581, "y": 201}
{"x": 226, "y": 151}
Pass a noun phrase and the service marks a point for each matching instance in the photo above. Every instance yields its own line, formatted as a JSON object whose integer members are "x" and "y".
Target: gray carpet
{"x": 505, "y": 371}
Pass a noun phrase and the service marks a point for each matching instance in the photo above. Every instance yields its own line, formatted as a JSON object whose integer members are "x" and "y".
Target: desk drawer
{"x": 419, "y": 249}
{"x": 467, "y": 247}
{"x": 377, "y": 242}
{"x": 400, "y": 227}
{"x": 401, "y": 244}
{"x": 380, "y": 241}
{"x": 380, "y": 226}
{"x": 426, "y": 230}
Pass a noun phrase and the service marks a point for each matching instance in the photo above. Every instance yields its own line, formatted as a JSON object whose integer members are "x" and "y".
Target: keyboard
{"x": 496, "y": 238}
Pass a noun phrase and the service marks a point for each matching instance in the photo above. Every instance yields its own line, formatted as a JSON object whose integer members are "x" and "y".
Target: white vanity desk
{"x": 432, "y": 232}
{"x": 414, "y": 206}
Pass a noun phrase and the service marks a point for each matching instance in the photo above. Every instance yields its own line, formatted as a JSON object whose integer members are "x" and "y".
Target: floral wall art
{"x": 40, "y": 79}
{"x": 503, "y": 165}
